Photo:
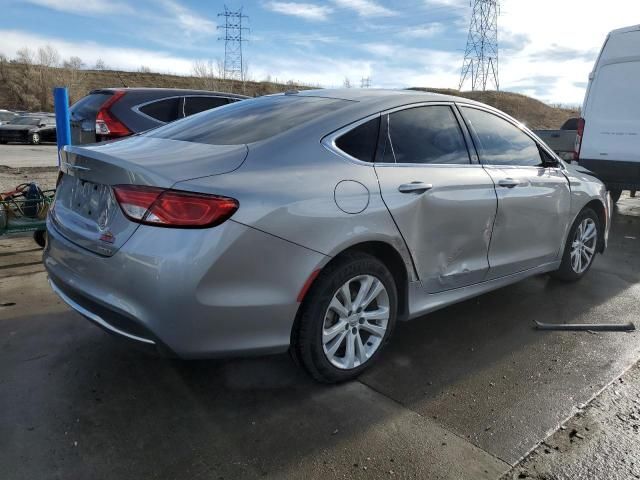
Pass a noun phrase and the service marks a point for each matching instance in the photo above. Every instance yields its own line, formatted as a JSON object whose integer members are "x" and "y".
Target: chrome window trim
{"x": 329, "y": 141}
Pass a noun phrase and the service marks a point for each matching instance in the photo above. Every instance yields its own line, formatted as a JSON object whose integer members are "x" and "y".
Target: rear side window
{"x": 87, "y": 108}
{"x": 426, "y": 135}
{"x": 166, "y": 110}
{"x": 500, "y": 142}
{"x": 6, "y": 116}
{"x": 361, "y": 141}
{"x": 200, "y": 104}
{"x": 249, "y": 121}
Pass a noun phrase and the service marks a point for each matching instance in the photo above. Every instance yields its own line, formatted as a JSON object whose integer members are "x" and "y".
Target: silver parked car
{"x": 313, "y": 221}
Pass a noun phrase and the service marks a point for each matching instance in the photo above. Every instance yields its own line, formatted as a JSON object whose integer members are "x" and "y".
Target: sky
{"x": 547, "y": 47}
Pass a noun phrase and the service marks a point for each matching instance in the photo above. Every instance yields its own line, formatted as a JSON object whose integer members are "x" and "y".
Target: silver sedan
{"x": 312, "y": 222}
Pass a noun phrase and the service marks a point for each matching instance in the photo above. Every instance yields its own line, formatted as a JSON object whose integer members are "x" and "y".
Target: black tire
{"x": 34, "y": 139}
{"x": 566, "y": 272}
{"x": 615, "y": 195}
{"x": 306, "y": 340}
{"x": 40, "y": 237}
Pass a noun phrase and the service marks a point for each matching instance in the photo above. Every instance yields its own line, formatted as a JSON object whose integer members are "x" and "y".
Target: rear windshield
{"x": 87, "y": 107}
{"x": 248, "y": 121}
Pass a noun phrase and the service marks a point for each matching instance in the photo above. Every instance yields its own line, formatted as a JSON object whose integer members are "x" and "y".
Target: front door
{"x": 444, "y": 205}
{"x": 533, "y": 195}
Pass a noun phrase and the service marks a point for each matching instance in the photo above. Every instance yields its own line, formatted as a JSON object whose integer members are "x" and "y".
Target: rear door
{"x": 533, "y": 194}
{"x": 442, "y": 200}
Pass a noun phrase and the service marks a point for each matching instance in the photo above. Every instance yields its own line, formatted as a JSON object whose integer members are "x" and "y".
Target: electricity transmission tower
{"x": 233, "y": 63}
{"x": 480, "y": 63}
{"x": 365, "y": 82}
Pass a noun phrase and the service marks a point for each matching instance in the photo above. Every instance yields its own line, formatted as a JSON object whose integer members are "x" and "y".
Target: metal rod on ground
{"x": 593, "y": 327}
{"x": 63, "y": 129}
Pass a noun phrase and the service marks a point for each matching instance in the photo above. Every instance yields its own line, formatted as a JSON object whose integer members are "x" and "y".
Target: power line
{"x": 365, "y": 82}
{"x": 480, "y": 63}
{"x": 233, "y": 29}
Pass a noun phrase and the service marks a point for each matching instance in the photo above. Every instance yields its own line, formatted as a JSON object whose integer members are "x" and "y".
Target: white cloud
{"x": 89, "y": 52}
{"x": 579, "y": 32}
{"x": 365, "y": 8}
{"x": 428, "y": 31}
{"x": 308, "y": 11}
{"x": 188, "y": 21}
{"x": 84, "y": 7}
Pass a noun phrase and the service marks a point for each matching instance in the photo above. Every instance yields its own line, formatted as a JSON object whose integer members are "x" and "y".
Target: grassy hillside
{"x": 533, "y": 113}
{"x": 29, "y": 87}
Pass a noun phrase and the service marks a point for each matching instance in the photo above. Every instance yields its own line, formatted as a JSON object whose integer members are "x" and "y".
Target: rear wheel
{"x": 615, "y": 195}
{"x": 346, "y": 319}
{"x": 581, "y": 247}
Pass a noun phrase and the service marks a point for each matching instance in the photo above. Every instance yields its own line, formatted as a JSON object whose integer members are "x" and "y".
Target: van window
{"x": 250, "y": 120}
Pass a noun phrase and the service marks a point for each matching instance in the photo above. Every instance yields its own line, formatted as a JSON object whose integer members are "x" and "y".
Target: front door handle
{"x": 509, "y": 182}
{"x": 414, "y": 187}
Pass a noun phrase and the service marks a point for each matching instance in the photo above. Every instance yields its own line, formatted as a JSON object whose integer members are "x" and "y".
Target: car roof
{"x": 382, "y": 99}
{"x": 168, "y": 91}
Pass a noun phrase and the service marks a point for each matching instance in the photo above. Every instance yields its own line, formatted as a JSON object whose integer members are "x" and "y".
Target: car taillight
{"x": 173, "y": 208}
{"x": 106, "y": 122}
{"x": 578, "y": 144}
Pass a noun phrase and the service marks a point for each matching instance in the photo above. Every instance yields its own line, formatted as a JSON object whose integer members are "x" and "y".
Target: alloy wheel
{"x": 583, "y": 247}
{"x": 355, "y": 322}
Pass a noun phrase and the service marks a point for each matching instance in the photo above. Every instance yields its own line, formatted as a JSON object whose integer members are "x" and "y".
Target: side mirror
{"x": 42, "y": 125}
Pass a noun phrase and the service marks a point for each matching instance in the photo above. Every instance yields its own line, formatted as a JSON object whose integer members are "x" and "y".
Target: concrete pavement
{"x": 465, "y": 392}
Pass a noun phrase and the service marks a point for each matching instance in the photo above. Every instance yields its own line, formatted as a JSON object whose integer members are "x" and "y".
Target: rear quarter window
{"x": 361, "y": 141}
{"x": 248, "y": 121}
{"x": 167, "y": 110}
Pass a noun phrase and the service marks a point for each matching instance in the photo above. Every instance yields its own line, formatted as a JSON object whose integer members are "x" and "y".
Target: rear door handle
{"x": 414, "y": 187}
{"x": 509, "y": 182}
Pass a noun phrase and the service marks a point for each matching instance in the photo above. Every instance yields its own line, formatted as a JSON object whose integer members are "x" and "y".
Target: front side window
{"x": 166, "y": 110}
{"x": 500, "y": 142}
{"x": 425, "y": 135}
{"x": 361, "y": 141}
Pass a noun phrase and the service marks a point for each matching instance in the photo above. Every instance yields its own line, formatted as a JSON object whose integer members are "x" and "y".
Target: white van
{"x": 608, "y": 141}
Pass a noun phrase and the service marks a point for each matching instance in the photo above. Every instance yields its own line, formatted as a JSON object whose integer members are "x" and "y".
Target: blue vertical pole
{"x": 63, "y": 128}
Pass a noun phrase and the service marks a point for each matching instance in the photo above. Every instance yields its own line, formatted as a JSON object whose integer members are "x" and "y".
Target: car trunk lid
{"x": 86, "y": 211}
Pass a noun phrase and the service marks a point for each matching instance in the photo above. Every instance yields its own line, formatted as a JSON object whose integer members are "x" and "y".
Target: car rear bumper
{"x": 222, "y": 291}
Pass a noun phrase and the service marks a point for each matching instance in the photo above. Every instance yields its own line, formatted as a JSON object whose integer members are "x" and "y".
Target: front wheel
{"x": 581, "y": 247}
{"x": 346, "y": 319}
{"x": 35, "y": 139}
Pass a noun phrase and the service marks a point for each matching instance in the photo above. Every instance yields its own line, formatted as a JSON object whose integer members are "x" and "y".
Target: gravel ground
{"x": 43, "y": 176}
{"x": 25, "y": 163}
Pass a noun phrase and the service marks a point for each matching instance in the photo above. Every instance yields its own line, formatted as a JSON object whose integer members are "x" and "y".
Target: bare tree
{"x": 346, "y": 83}
{"x": 48, "y": 56}
{"x": 74, "y": 63}
{"x": 144, "y": 69}
{"x": 100, "y": 65}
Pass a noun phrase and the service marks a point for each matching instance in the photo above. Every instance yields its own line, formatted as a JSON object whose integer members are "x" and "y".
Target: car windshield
{"x": 248, "y": 121}
{"x": 26, "y": 121}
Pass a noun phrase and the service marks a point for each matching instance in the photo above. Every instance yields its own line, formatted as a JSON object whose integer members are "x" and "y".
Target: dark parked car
{"x": 31, "y": 128}
{"x": 110, "y": 113}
